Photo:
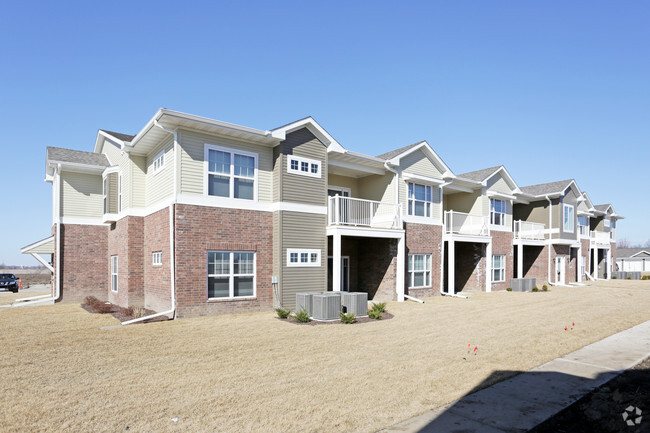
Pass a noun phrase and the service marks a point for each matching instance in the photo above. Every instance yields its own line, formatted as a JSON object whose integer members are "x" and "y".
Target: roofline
{"x": 503, "y": 168}
{"x": 36, "y": 244}
{"x": 637, "y": 253}
{"x": 395, "y": 160}
{"x": 75, "y": 166}
{"x": 313, "y": 127}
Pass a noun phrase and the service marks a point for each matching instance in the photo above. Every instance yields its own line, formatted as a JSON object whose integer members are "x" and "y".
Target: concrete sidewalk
{"x": 528, "y": 399}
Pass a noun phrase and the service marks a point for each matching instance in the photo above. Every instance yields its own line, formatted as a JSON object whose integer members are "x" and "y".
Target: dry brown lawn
{"x": 7, "y": 298}
{"x": 253, "y": 372}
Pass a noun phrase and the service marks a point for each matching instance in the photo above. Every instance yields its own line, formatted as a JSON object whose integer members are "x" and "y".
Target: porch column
{"x": 336, "y": 262}
{"x": 608, "y": 264}
{"x": 399, "y": 286}
{"x": 594, "y": 262}
{"x": 579, "y": 264}
{"x": 451, "y": 287}
{"x": 488, "y": 267}
{"x": 520, "y": 260}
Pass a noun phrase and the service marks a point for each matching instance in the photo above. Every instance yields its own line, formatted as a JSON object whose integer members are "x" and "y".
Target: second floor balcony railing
{"x": 529, "y": 231}
{"x": 600, "y": 237}
{"x": 466, "y": 224}
{"x": 583, "y": 231}
{"x": 350, "y": 211}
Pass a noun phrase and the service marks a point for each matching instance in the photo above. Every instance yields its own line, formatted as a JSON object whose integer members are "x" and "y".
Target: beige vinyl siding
{"x": 138, "y": 181}
{"x": 192, "y": 166}
{"x": 81, "y": 195}
{"x": 435, "y": 196}
{"x": 297, "y": 188}
{"x": 499, "y": 184}
{"x": 346, "y": 182}
{"x": 46, "y": 248}
{"x": 471, "y": 203}
{"x": 160, "y": 185}
{"x": 419, "y": 163}
{"x": 378, "y": 187}
{"x": 121, "y": 159}
{"x": 112, "y": 180}
{"x": 536, "y": 212}
{"x": 301, "y": 230}
{"x": 112, "y": 151}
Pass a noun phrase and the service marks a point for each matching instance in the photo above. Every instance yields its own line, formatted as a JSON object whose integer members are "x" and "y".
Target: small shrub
{"x": 97, "y": 306}
{"x": 645, "y": 277}
{"x": 282, "y": 313}
{"x": 535, "y": 289}
{"x": 349, "y": 318}
{"x": 380, "y": 307}
{"x": 509, "y": 289}
{"x": 545, "y": 288}
{"x": 139, "y": 312}
{"x": 629, "y": 278}
{"x": 128, "y": 311}
{"x": 90, "y": 300}
{"x": 302, "y": 316}
{"x": 614, "y": 277}
{"x": 374, "y": 314}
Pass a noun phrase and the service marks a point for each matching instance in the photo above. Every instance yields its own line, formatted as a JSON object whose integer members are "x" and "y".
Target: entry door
{"x": 345, "y": 274}
{"x": 559, "y": 270}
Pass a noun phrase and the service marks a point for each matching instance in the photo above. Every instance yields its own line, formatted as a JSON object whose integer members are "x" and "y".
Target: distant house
{"x": 633, "y": 259}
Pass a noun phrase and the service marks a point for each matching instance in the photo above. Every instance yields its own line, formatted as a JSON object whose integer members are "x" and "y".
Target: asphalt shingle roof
{"x": 480, "y": 175}
{"x": 629, "y": 252}
{"x": 119, "y": 135}
{"x": 76, "y": 156}
{"x": 546, "y": 188}
{"x": 393, "y": 153}
{"x": 602, "y": 207}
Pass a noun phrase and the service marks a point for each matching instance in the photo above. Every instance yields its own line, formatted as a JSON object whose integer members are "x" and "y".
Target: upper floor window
{"x": 159, "y": 162}
{"x": 303, "y": 257}
{"x": 497, "y": 212}
{"x": 231, "y": 173}
{"x": 568, "y": 218}
{"x": 419, "y": 200}
{"x": 303, "y": 166}
{"x": 583, "y": 221}
{"x": 606, "y": 223}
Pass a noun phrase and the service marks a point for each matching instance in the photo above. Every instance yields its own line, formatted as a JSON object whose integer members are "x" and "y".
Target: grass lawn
{"x": 7, "y": 298}
{"x": 253, "y": 372}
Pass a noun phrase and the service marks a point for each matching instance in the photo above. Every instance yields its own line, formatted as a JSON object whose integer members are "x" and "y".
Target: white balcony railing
{"x": 583, "y": 231}
{"x": 365, "y": 213}
{"x": 529, "y": 231}
{"x": 466, "y": 224}
{"x": 600, "y": 237}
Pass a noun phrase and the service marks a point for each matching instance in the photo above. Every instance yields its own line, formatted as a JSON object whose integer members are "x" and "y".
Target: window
{"x": 159, "y": 162}
{"x": 157, "y": 258}
{"x": 498, "y": 268}
{"x": 583, "y": 221}
{"x": 105, "y": 194}
{"x": 419, "y": 270}
{"x": 231, "y": 173}
{"x": 419, "y": 200}
{"x": 114, "y": 273}
{"x": 303, "y": 166}
{"x": 583, "y": 265}
{"x": 497, "y": 212}
{"x": 606, "y": 223}
{"x": 119, "y": 193}
{"x": 568, "y": 218}
{"x": 231, "y": 274}
{"x": 303, "y": 257}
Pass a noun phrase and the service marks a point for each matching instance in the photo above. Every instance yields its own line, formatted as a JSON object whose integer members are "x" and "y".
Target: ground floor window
{"x": 498, "y": 268}
{"x": 231, "y": 274}
{"x": 114, "y": 273}
{"x": 419, "y": 270}
{"x": 583, "y": 264}
{"x": 157, "y": 258}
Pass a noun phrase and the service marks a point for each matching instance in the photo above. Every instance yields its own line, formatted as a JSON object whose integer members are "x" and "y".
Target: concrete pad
{"x": 441, "y": 420}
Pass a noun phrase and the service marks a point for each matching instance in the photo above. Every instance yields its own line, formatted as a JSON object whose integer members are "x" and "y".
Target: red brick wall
{"x": 560, "y": 250}
{"x": 84, "y": 250}
{"x": 587, "y": 254}
{"x": 378, "y": 268}
{"x": 125, "y": 240}
{"x": 535, "y": 263}
{"x": 200, "y": 229}
{"x": 613, "y": 247}
{"x": 424, "y": 239}
{"x": 502, "y": 245}
{"x": 157, "y": 279}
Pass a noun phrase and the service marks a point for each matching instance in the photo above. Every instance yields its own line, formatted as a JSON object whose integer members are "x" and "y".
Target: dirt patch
{"x": 291, "y": 319}
{"x": 602, "y": 409}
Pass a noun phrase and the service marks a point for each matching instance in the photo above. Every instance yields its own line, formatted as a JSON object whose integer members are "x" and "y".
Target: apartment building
{"x": 193, "y": 216}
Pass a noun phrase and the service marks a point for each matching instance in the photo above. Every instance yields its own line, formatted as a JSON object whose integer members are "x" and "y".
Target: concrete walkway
{"x": 528, "y": 399}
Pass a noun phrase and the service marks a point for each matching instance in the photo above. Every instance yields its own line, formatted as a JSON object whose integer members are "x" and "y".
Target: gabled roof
{"x": 394, "y": 153}
{"x": 394, "y": 156}
{"x": 480, "y": 175}
{"x": 314, "y": 127}
{"x": 119, "y": 135}
{"x": 603, "y": 207}
{"x": 624, "y": 253}
{"x": 77, "y": 157}
{"x": 551, "y": 188}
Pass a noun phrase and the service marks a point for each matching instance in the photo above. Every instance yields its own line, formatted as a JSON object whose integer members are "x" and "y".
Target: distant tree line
{"x": 625, "y": 243}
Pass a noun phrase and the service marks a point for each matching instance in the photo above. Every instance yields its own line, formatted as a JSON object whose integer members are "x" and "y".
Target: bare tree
{"x": 623, "y": 243}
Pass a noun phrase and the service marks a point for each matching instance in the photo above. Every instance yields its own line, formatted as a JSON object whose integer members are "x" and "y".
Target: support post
{"x": 579, "y": 265}
{"x": 520, "y": 260}
{"x": 401, "y": 260}
{"x": 594, "y": 263}
{"x": 336, "y": 262}
{"x": 608, "y": 264}
{"x": 488, "y": 267}
{"x": 451, "y": 264}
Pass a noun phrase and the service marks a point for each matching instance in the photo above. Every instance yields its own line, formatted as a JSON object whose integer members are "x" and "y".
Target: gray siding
{"x": 81, "y": 195}
{"x": 570, "y": 199}
{"x": 535, "y": 212}
{"x": 295, "y": 187}
{"x": 300, "y": 230}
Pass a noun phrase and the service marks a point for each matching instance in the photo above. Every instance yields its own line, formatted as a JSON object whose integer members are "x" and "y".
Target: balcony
{"x": 358, "y": 212}
{"x": 466, "y": 224}
{"x": 583, "y": 231}
{"x": 525, "y": 230}
{"x": 600, "y": 238}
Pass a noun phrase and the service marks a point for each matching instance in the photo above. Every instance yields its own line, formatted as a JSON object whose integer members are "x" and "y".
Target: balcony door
{"x": 560, "y": 263}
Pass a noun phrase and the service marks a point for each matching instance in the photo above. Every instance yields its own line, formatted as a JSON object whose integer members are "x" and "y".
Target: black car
{"x": 9, "y": 282}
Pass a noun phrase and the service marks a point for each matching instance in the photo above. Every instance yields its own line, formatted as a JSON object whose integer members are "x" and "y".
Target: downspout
{"x": 550, "y": 236}
{"x": 172, "y": 251}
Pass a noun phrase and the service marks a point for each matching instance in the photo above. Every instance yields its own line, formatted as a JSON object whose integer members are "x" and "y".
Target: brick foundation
{"x": 125, "y": 239}
{"x": 502, "y": 245}
{"x": 424, "y": 239}
{"x": 157, "y": 279}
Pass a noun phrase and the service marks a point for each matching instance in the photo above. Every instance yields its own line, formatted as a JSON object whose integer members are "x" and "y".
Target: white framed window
{"x": 230, "y": 173}
{"x": 419, "y": 270}
{"x": 420, "y": 200}
{"x": 498, "y": 268}
{"x": 114, "y": 273}
{"x": 606, "y": 222}
{"x": 156, "y": 258}
{"x": 583, "y": 263}
{"x": 497, "y": 212}
{"x": 303, "y": 166}
{"x": 303, "y": 257}
{"x": 159, "y": 162}
{"x": 119, "y": 192}
{"x": 105, "y": 194}
{"x": 231, "y": 274}
{"x": 569, "y": 218}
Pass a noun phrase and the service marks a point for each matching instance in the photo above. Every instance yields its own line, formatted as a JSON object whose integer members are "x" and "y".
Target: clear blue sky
{"x": 552, "y": 90}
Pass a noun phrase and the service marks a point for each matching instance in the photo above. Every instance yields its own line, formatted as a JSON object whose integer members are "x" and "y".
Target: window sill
{"x": 420, "y": 287}
{"x": 239, "y": 298}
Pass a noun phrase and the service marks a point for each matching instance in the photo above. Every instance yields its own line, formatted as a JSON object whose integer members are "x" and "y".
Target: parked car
{"x": 9, "y": 282}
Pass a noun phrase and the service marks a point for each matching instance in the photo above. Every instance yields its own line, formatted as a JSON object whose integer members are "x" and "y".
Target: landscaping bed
{"x": 94, "y": 305}
{"x": 384, "y": 316}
